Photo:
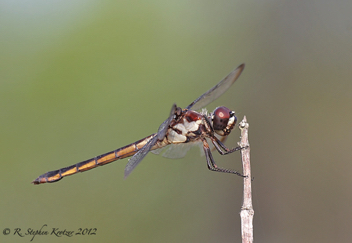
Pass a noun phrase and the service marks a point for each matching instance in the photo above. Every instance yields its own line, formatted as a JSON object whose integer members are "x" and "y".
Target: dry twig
{"x": 247, "y": 211}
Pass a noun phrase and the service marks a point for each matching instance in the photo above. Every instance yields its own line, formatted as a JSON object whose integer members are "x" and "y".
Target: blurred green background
{"x": 81, "y": 78}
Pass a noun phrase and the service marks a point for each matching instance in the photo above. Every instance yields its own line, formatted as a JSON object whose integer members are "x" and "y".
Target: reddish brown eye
{"x": 221, "y": 117}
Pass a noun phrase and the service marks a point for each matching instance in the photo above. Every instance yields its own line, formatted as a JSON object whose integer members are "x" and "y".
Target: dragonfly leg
{"x": 211, "y": 163}
{"x": 222, "y": 149}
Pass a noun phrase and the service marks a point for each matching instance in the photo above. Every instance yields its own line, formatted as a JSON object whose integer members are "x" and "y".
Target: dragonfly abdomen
{"x": 121, "y": 153}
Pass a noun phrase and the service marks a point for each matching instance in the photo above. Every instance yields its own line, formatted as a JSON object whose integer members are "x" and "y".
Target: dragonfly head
{"x": 223, "y": 120}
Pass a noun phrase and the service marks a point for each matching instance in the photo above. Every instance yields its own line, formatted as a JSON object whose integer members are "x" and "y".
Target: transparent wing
{"x": 139, "y": 156}
{"x": 215, "y": 92}
{"x": 175, "y": 151}
{"x": 165, "y": 125}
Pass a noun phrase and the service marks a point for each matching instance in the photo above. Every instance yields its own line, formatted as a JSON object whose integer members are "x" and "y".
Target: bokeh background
{"x": 81, "y": 78}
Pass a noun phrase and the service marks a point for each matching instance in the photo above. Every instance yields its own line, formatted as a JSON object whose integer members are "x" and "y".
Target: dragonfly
{"x": 182, "y": 128}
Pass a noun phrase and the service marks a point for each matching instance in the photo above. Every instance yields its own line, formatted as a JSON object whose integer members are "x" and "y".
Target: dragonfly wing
{"x": 139, "y": 156}
{"x": 215, "y": 92}
{"x": 165, "y": 125}
{"x": 174, "y": 151}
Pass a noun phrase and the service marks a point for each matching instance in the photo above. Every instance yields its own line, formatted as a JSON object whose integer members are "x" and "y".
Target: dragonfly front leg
{"x": 222, "y": 149}
{"x": 211, "y": 163}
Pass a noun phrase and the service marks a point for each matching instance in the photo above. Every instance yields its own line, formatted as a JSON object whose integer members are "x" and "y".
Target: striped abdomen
{"x": 126, "y": 151}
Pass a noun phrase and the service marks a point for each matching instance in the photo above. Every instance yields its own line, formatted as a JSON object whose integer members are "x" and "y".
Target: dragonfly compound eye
{"x": 221, "y": 118}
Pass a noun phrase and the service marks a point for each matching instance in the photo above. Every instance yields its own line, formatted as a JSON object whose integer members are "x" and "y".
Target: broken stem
{"x": 247, "y": 211}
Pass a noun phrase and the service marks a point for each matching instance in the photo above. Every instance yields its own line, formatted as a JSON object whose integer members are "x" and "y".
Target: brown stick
{"x": 247, "y": 211}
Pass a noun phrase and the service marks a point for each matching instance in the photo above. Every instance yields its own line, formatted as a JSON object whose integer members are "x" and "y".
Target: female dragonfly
{"x": 182, "y": 127}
